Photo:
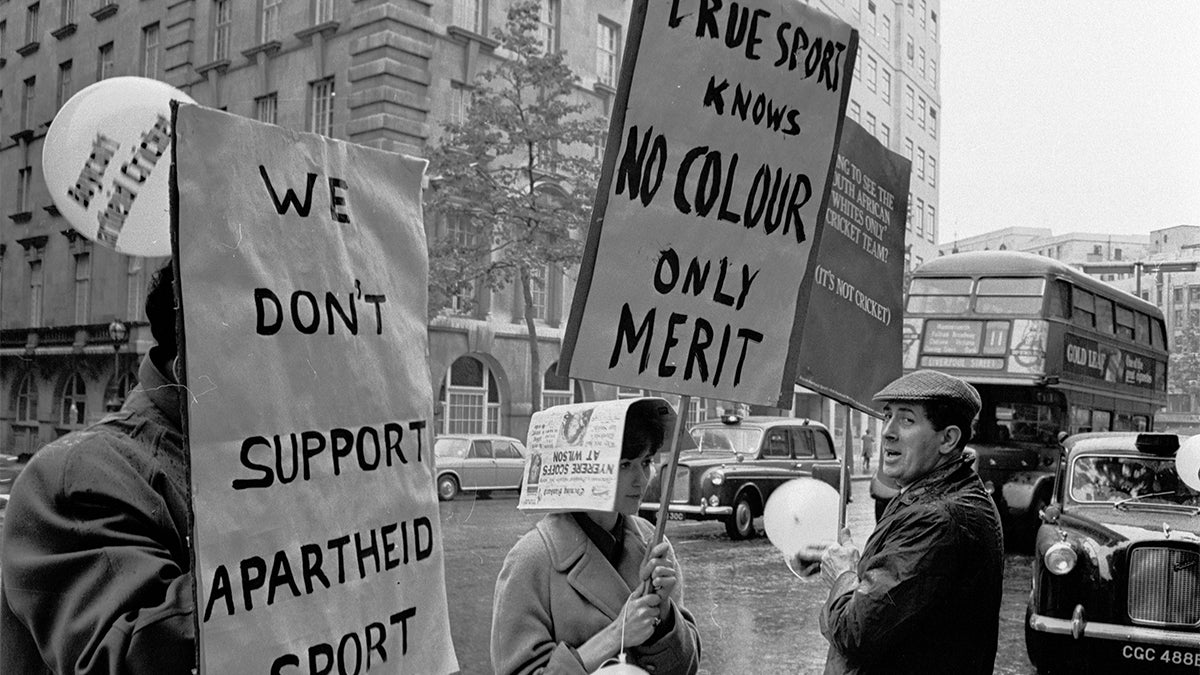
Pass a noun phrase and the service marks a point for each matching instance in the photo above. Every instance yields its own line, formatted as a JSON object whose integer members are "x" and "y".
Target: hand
{"x": 840, "y": 558}
{"x": 807, "y": 561}
{"x": 641, "y": 616}
{"x": 660, "y": 572}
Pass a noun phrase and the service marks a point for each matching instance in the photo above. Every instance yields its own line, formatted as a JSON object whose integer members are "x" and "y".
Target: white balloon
{"x": 800, "y": 514}
{"x": 106, "y": 160}
{"x": 1187, "y": 462}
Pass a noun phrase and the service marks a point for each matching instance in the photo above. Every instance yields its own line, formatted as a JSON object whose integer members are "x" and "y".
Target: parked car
{"x": 1116, "y": 568}
{"x": 736, "y": 465}
{"x": 477, "y": 463}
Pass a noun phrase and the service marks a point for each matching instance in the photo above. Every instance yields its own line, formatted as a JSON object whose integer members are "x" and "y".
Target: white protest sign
{"x": 574, "y": 453}
{"x": 303, "y": 278}
{"x": 721, "y": 147}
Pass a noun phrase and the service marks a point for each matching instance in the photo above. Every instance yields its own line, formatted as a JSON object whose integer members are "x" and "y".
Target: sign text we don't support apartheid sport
{"x": 720, "y": 150}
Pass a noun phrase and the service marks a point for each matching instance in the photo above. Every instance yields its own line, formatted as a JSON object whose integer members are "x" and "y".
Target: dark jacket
{"x": 96, "y": 574}
{"x": 926, "y": 596}
{"x": 556, "y": 590}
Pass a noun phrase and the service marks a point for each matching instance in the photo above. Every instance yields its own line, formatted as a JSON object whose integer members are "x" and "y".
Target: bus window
{"x": 1143, "y": 328}
{"x": 1124, "y": 319}
{"x": 1081, "y": 419}
{"x": 1158, "y": 338}
{"x": 939, "y": 296}
{"x": 999, "y": 295}
{"x": 1141, "y": 423}
{"x": 1101, "y": 420}
{"x": 1123, "y": 422}
{"x": 1083, "y": 308}
{"x": 1058, "y": 301}
{"x": 1104, "y": 315}
{"x": 1025, "y": 422}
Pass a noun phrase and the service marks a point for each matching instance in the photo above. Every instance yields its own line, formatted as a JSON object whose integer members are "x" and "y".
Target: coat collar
{"x": 939, "y": 480}
{"x": 587, "y": 571}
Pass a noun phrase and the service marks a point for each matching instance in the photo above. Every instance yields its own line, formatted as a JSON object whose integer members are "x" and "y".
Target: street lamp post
{"x": 118, "y": 332}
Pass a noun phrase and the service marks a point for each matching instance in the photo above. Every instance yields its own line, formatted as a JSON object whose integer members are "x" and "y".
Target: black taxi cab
{"x": 1116, "y": 567}
{"x": 736, "y": 465}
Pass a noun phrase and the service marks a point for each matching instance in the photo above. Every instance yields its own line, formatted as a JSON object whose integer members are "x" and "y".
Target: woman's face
{"x": 632, "y": 477}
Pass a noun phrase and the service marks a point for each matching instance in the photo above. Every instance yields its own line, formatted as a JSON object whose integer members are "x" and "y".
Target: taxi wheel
{"x": 447, "y": 488}
{"x": 740, "y": 525}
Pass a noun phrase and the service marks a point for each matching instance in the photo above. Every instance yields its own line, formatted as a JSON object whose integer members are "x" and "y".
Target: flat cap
{"x": 930, "y": 385}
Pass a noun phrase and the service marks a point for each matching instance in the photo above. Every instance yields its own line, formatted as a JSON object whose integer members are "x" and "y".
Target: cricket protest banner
{"x": 302, "y": 272}
{"x": 851, "y": 344}
{"x": 719, "y": 153}
{"x": 574, "y": 452}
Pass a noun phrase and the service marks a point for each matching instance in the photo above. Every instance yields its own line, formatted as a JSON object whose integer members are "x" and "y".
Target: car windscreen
{"x": 726, "y": 439}
{"x": 1129, "y": 479}
{"x": 451, "y": 447}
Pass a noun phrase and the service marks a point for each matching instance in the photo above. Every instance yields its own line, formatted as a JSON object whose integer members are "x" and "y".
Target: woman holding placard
{"x": 573, "y": 591}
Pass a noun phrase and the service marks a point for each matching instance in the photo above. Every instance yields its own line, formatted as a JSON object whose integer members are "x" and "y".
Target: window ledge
{"x": 325, "y": 29}
{"x": 602, "y": 88}
{"x": 220, "y": 65}
{"x": 22, "y": 135}
{"x": 63, "y": 31}
{"x": 467, "y": 35}
{"x": 267, "y": 47}
{"x": 105, "y": 12}
{"x": 21, "y": 217}
{"x": 27, "y": 49}
{"x": 52, "y": 210}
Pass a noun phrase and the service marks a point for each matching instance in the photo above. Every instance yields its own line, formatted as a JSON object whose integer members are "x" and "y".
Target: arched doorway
{"x": 469, "y": 398}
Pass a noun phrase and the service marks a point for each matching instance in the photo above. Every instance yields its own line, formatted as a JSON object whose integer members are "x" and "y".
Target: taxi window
{"x": 1143, "y": 480}
{"x": 823, "y": 447}
{"x": 802, "y": 443}
{"x": 776, "y": 444}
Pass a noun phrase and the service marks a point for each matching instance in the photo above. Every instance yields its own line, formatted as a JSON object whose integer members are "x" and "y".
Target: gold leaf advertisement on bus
{"x": 1106, "y": 362}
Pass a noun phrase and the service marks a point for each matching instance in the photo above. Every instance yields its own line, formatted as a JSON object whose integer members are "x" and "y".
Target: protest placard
{"x": 854, "y": 320}
{"x": 574, "y": 452}
{"x": 719, "y": 152}
{"x": 302, "y": 272}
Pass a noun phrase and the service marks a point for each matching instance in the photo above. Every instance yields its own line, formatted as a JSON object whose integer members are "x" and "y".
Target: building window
{"x": 858, "y": 69}
{"x": 470, "y": 398}
{"x": 885, "y": 135}
{"x": 321, "y": 93}
{"x": 855, "y": 111}
{"x": 870, "y": 125}
{"x": 269, "y": 26}
{"x": 921, "y": 111}
{"x": 64, "y": 84}
{"x": 872, "y": 18}
{"x": 919, "y": 218}
{"x": 872, "y": 70}
{"x": 83, "y": 287}
{"x": 885, "y": 85}
{"x": 150, "y": 51}
{"x": 24, "y": 180}
{"x": 558, "y": 390}
{"x": 27, "y": 400}
{"x": 919, "y": 164}
{"x": 31, "y": 23}
{"x": 930, "y": 222}
{"x": 469, "y": 14}
{"x": 856, "y": 8}
{"x": 28, "y": 99}
{"x": 933, "y": 25}
{"x": 908, "y": 217}
{"x": 74, "y": 402}
{"x": 323, "y": 12}
{"x": 933, "y": 71}
{"x": 549, "y": 19}
{"x": 35, "y": 293}
{"x": 539, "y": 290}
{"x": 909, "y": 49}
{"x": 885, "y": 30}
{"x": 67, "y": 12}
{"x": 921, "y": 13}
{"x": 909, "y": 97}
{"x": 908, "y": 149}
{"x": 133, "y": 288}
{"x": 222, "y": 25}
{"x": 607, "y": 47}
{"x": 104, "y": 61}
{"x": 460, "y": 102}
{"x": 3, "y": 37}
{"x": 921, "y": 61}
{"x": 266, "y": 108}
{"x": 460, "y": 234}
{"x": 931, "y": 171}
{"x": 933, "y": 121}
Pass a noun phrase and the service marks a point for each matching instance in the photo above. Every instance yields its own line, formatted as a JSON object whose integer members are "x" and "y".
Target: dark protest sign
{"x": 721, "y": 147}
{"x": 851, "y": 346}
{"x": 303, "y": 270}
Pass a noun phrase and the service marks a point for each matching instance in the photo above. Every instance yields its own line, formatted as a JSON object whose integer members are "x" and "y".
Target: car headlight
{"x": 716, "y": 478}
{"x": 714, "y": 500}
{"x": 1060, "y": 558}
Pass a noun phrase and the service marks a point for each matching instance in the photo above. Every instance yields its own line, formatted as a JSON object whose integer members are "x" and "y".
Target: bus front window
{"x": 1023, "y": 423}
{"x": 939, "y": 296}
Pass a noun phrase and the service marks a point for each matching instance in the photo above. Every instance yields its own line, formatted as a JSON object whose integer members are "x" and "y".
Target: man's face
{"x": 911, "y": 446}
{"x": 632, "y": 477}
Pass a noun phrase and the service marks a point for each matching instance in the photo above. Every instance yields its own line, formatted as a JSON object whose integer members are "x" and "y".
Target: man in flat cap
{"x": 924, "y": 594}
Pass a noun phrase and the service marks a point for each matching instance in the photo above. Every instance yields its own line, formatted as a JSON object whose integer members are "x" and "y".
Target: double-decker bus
{"x": 1050, "y": 350}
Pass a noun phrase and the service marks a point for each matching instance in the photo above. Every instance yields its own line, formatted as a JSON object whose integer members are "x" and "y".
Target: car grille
{"x": 1164, "y": 586}
{"x": 681, "y": 490}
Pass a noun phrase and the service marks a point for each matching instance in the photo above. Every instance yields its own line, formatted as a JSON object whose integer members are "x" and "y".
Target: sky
{"x": 1073, "y": 115}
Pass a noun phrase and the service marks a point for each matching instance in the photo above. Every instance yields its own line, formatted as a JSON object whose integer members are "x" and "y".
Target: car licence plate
{"x": 1160, "y": 656}
{"x": 674, "y": 516}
